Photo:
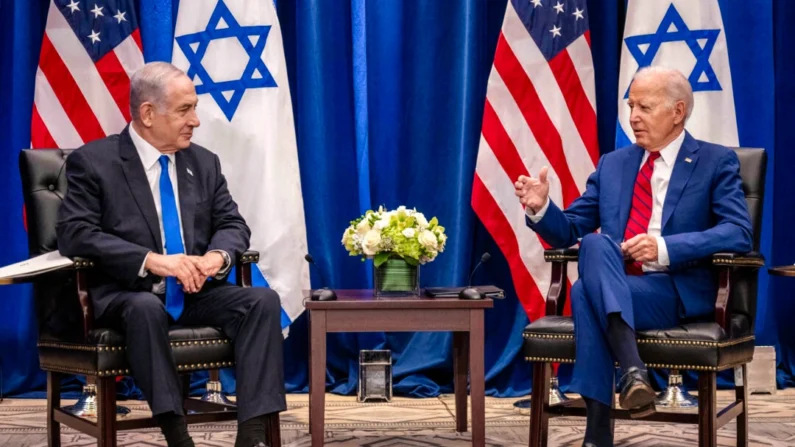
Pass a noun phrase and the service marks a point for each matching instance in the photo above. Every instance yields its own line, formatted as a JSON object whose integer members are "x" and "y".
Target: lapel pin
{"x": 687, "y": 160}
{"x": 191, "y": 172}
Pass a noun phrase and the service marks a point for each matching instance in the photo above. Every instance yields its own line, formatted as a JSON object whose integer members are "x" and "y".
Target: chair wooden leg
{"x": 53, "y": 402}
{"x": 106, "y": 411}
{"x": 707, "y": 410}
{"x": 741, "y": 393}
{"x": 539, "y": 418}
{"x": 274, "y": 433}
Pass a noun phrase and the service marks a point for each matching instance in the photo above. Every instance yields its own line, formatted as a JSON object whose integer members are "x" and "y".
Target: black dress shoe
{"x": 637, "y": 395}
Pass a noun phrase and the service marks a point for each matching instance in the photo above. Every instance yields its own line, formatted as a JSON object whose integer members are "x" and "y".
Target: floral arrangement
{"x": 404, "y": 233}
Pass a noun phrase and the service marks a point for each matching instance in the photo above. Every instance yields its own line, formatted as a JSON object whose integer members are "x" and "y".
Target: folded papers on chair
{"x": 34, "y": 266}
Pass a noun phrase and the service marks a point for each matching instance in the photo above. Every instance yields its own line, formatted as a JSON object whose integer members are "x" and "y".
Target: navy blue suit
{"x": 109, "y": 215}
{"x": 704, "y": 213}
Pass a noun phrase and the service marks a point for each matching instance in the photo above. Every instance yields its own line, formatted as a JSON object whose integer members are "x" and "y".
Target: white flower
{"x": 401, "y": 208}
{"x": 442, "y": 238}
{"x": 370, "y": 242}
{"x": 346, "y": 236}
{"x": 381, "y": 224}
{"x": 421, "y": 220}
{"x": 363, "y": 227}
{"x": 409, "y": 232}
{"x": 428, "y": 240}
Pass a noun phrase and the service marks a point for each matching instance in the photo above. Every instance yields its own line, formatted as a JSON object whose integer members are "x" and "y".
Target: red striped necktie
{"x": 640, "y": 214}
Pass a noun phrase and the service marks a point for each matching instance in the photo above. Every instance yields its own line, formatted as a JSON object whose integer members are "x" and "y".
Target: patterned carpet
{"x": 414, "y": 422}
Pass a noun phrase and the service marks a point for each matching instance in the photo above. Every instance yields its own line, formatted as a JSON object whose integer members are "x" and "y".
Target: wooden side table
{"x": 360, "y": 311}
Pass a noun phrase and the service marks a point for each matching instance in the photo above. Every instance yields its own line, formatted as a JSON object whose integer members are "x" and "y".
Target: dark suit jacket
{"x": 704, "y": 213}
{"x": 109, "y": 215}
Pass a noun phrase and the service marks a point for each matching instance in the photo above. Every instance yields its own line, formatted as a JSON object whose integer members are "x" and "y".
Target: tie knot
{"x": 653, "y": 156}
{"x": 164, "y": 162}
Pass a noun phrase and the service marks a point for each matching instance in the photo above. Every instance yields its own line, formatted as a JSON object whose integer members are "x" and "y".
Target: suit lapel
{"x": 629, "y": 174}
{"x": 683, "y": 167}
{"x": 187, "y": 201}
{"x": 139, "y": 186}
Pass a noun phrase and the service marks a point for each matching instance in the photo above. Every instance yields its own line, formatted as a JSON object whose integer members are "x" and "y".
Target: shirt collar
{"x": 669, "y": 153}
{"x": 148, "y": 154}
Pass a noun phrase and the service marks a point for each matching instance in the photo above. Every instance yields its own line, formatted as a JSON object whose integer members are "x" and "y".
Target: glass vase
{"x": 396, "y": 277}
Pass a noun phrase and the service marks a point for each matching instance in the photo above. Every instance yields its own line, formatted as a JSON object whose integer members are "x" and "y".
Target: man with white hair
{"x": 664, "y": 206}
{"x": 153, "y": 211}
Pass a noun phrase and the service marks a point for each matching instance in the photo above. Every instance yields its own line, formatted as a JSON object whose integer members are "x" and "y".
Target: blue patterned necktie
{"x": 175, "y": 297}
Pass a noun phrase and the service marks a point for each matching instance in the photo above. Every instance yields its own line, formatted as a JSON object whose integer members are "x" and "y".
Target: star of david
{"x": 674, "y": 29}
{"x": 255, "y": 74}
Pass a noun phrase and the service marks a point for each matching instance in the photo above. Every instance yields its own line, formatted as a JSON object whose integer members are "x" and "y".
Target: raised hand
{"x": 533, "y": 192}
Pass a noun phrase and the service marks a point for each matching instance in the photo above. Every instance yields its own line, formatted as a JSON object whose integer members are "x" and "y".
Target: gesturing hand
{"x": 641, "y": 248}
{"x": 533, "y": 192}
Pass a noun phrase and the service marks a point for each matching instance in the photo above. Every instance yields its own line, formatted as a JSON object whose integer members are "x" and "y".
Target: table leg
{"x": 317, "y": 375}
{"x": 460, "y": 369}
{"x": 477, "y": 377}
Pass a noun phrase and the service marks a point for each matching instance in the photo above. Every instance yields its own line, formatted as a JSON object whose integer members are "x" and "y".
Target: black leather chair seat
{"x": 702, "y": 346}
{"x": 194, "y": 348}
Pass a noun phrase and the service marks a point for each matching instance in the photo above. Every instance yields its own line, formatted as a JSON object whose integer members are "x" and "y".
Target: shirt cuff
{"x": 662, "y": 252}
{"x": 142, "y": 271}
{"x": 536, "y": 217}
{"x": 227, "y": 264}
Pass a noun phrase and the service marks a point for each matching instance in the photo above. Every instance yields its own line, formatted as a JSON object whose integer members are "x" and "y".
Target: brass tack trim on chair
{"x": 46, "y": 344}
{"x": 176, "y": 344}
{"x": 651, "y": 341}
{"x": 68, "y": 370}
{"x": 711, "y": 344}
{"x": 548, "y": 360}
{"x": 694, "y": 367}
{"x": 201, "y": 366}
{"x": 548, "y": 336}
{"x": 751, "y": 262}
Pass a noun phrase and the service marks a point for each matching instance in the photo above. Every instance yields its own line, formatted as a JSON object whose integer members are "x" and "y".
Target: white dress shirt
{"x": 150, "y": 159}
{"x": 663, "y": 168}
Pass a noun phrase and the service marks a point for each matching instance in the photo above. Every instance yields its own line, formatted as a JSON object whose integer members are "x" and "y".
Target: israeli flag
{"x": 233, "y": 52}
{"x": 689, "y": 36}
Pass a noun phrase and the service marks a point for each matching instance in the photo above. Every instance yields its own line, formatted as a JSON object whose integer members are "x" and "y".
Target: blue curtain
{"x": 388, "y": 97}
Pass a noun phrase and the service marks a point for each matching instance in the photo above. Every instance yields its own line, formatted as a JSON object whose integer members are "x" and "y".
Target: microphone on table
{"x": 324, "y": 294}
{"x": 471, "y": 293}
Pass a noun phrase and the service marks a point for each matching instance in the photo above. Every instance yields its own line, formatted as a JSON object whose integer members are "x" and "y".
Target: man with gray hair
{"x": 153, "y": 211}
{"x": 664, "y": 206}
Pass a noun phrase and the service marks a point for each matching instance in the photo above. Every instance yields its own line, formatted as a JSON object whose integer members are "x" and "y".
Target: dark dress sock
{"x": 621, "y": 339}
{"x": 598, "y": 430}
{"x": 175, "y": 429}
{"x": 251, "y": 432}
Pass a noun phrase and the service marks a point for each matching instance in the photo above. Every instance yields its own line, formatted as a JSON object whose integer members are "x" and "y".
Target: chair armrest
{"x": 562, "y": 255}
{"x": 243, "y": 270}
{"x": 556, "y": 295}
{"x": 752, "y": 259}
{"x": 727, "y": 264}
{"x": 82, "y": 266}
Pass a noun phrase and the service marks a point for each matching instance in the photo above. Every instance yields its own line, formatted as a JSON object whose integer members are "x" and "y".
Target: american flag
{"x": 88, "y": 53}
{"x": 540, "y": 111}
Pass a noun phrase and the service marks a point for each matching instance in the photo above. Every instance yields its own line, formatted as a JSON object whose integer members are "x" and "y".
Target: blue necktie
{"x": 175, "y": 297}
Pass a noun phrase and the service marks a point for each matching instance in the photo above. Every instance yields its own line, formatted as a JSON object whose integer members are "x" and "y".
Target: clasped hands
{"x": 533, "y": 194}
{"x": 190, "y": 271}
